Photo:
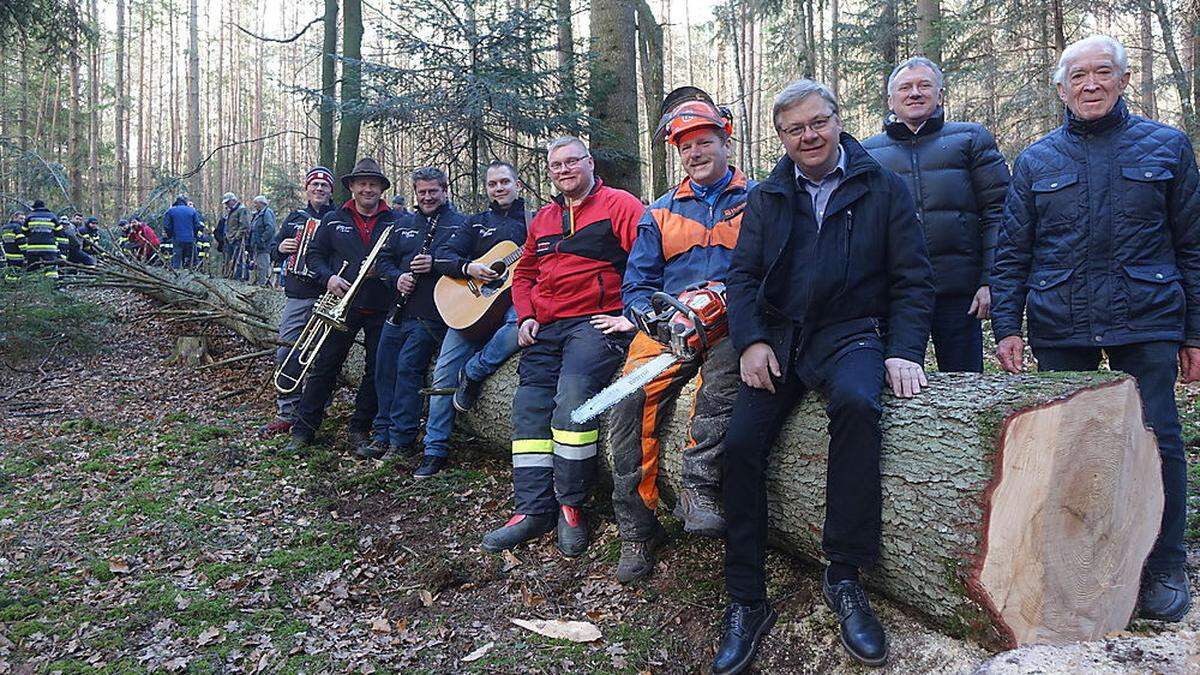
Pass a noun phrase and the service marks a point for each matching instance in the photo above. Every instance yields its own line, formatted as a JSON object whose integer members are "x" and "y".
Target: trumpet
{"x": 329, "y": 314}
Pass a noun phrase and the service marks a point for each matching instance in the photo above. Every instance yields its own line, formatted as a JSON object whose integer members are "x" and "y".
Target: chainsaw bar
{"x": 622, "y": 388}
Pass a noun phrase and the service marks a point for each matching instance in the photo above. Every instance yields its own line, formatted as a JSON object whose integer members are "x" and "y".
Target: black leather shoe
{"x": 519, "y": 529}
{"x": 430, "y": 467}
{"x": 862, "y": 633}
{"x": 745, "y": 627}
{"x": 1164, "y": 595}
{"x": 467, "y": 392}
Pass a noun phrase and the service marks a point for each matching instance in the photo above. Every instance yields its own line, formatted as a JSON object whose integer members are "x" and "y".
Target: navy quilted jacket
{"x": 1101, "y": 237}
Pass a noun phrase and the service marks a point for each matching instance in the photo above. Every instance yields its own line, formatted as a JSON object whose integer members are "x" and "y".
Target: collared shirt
{"x": 821, "y": 191}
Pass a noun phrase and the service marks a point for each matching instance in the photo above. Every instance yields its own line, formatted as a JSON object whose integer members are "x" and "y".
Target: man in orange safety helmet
{"x": 685, "y": 238}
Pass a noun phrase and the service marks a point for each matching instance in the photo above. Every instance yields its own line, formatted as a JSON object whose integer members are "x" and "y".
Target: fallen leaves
{"x": 575, "y": 631}
{"x": 210, "y": 635}
{"x": 118, "y": 566}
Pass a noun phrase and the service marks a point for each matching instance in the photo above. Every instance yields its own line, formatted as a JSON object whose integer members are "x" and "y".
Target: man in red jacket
{"x": 565, "y": 288}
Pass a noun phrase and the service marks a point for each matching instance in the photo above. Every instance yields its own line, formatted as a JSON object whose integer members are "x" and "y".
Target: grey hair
{"x": 261, "y": 199}
{"x": 916, "y": 62}
{"x": 564, "y": 141}
{"x": 431, "y": 173}
{"x": 797, "y": 91}
{"x": 1115, "y": 49}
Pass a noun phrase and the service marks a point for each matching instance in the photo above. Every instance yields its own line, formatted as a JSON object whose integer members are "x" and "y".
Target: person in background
{"x": 236, "y": 237}
{"x": 180, "y": 223}
{"x": 262, "y": 233}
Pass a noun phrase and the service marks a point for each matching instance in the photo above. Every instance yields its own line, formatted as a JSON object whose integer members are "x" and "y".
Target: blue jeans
{"x": 1154, "y": 366}
{"x": 400, "y": 365}
{"x": 957, "y": 336}
{"x": 183, "y": 254}
{"x": 479, "y": 360}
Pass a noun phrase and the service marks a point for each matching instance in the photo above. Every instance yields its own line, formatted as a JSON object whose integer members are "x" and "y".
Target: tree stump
{"x": 191, "y": 351}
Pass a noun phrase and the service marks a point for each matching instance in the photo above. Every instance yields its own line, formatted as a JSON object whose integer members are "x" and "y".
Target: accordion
{"x": 295, "y": 262}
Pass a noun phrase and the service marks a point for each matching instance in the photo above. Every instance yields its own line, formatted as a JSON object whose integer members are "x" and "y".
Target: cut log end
{"x": 1074, "y": 510}
{"x": 190, "y": 351}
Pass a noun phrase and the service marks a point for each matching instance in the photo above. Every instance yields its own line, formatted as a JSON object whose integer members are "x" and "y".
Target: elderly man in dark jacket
{"x": 1101, "y": 249}
{"x": 830, "y": 290}
{"x": 958, "y": 179}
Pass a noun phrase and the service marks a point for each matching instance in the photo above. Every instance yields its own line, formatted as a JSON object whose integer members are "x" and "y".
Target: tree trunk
{"x": 1016, "y": 509}
{"x": 929, "y": 38}
{"x": 351, "y": 124}
{"x": 612, "y": 89}
{"x": 1183, "y": 79}
{"x": 75, "y": 156}
{"x": 566, "y": 51}
{"x": 328, "y": 83}
{"x": 835, "y": 57}
{"x": 650, "y": 48}
{"x": 193, "y": 99}
{"x": 888, "y": 44}
{"x": 94, "y": 75}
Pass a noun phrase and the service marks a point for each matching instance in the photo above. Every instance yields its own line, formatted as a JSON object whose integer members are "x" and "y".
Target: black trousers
{"x": 851, "y": 381}
{"x": 957, "y": 336}
{"x": 1154, "y": 366}
{"x": 323, "y": 375}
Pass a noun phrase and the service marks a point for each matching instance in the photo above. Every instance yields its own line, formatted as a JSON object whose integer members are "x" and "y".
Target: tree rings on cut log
{"x": 1071, "y": 521}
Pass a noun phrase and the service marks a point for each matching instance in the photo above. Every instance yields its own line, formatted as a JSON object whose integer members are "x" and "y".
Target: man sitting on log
{"x": 1101, "y": 247}
{"x": 465, "y": 362}
{"x": 300, "y": 285}
{"x": 685, "y": 238}
{"x": 415, "y": 329}
{"x": 570, "y": 272}
{"x": 830, "y": 290}
{"x": 347, "y": 235}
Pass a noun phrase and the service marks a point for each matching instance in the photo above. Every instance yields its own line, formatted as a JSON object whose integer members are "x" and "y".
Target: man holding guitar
{"x": 570, "y": 272}
{"x": 467, "y": 358}
{"x": 415, "y": 328}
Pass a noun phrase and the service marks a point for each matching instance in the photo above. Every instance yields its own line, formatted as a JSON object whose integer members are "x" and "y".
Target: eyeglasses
{"x": 818, "y": 126}
{"x": 567, "y": 164}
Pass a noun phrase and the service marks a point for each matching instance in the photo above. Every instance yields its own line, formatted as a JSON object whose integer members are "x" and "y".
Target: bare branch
{"x": 295, "y": 37}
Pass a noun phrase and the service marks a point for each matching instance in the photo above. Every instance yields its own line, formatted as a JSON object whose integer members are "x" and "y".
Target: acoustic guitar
{"x": 476, "y": 308}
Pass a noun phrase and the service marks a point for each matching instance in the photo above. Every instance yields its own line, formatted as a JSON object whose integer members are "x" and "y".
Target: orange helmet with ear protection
{"x": 690, "y": 108}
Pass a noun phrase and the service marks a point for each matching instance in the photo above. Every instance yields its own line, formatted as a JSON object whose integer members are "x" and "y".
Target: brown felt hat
{"x": 366, "y": 168}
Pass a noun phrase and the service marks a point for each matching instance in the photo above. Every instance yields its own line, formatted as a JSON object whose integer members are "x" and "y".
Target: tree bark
{"x": 929, "y": 38}
{"x": 193, "y": 99}
{"x": 1016, "y": 509}
{"x": 888, "y": 45}
{"x": 351, "y": 98}
{"x": 566, "y": 51}
{"x": 75, "y": 156}
{"x": 650, "y": 49}
{"x": 612, "y": 90}
{"x": 328, "y": 83}
{"x": 94, "y": 180}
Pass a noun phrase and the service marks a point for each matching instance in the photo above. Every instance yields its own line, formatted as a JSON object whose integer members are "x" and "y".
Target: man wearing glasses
{"x": 569, "y": 274}
{"x": 830, "y": 290}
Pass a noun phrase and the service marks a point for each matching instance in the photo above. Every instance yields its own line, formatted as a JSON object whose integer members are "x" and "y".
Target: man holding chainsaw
{"x": 685, "y": 239}
{"x": 570, "y": 272}
{"x": 830, "y": 291}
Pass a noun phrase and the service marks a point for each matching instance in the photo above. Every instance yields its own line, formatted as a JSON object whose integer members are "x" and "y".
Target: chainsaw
{"x": 688, "y": 326}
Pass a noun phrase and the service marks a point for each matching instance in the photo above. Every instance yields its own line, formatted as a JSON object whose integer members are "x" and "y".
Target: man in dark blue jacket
{"x": 464, "y": 363}
{"x": 1101, "y": 250}
{"x": 300, "y": 285}
{"x": 347, "y": 235}
{"x": 413, "y": 332}
{"x": 830, "y": 290}
{"x": 180, "y": 223}
{"x": 958, "y": 179}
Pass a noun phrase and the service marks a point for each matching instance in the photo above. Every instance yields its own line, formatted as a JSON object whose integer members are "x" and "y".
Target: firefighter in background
{"x": 14, "y": 260}
{"x": 685, "y": 238}
{"x": 41, "y": 241}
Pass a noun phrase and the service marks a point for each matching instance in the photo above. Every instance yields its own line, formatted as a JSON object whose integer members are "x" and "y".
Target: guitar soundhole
{"x": 493, "y": 287}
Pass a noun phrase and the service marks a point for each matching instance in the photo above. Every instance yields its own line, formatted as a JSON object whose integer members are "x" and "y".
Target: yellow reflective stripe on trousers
{"x": 576, "y": 445}
{"x": 524, "y": 446}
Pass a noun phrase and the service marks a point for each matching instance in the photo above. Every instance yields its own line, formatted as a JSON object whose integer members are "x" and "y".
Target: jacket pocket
{"x": 1154, "y": 296}
{"x": 1048, "y": 304}
{"x": 1058, "y": 198}
{"x": 1143, "y": 191}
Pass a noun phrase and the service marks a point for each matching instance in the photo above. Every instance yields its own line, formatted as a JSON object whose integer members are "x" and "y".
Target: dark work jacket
{"x": 1101, "y": 237}
{"x": 296, "y": 285}
{"x": 483, "y": 231}
{"x": 406, "y": 242}
{"x": 337, "y": 240}
{"x": 866, "y": 270}
{"x": 958, "y": 179}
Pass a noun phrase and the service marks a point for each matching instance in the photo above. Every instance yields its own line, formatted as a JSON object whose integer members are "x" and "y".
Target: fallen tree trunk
{"x": 1016, "y": 509}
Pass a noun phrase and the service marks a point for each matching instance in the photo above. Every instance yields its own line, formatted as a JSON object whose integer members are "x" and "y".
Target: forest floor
{"x": 144, "y": 525}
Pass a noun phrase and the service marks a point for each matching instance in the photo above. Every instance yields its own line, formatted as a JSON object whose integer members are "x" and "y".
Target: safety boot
{"x": 700, "y": 514}
{"x": 518, "y": 530}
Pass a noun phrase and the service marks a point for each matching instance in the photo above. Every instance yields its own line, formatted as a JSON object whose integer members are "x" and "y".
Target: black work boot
{"x": 745, "y": 627}
{"x": 638, "y": 557}
{"x": 431, "y": 466}
{"x": 700, "y": 514}
{"x": 297, "y": 444}
{"x": 375, "y": 449}
{"x": 1164, "y": 595}
{"x": 572, "y": 531}
{"x": 862, "y": 633}
{"x": 467, "y": 391}
{"x": 519, "y": 529}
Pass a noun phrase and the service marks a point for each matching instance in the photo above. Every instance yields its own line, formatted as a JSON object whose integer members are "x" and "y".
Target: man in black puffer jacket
{"x": 1101, "y": 248}
{"x": 958, "y": 179}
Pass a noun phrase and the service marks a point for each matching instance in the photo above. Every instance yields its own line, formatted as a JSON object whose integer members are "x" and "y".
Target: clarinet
{"x": 398, "y": 309}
